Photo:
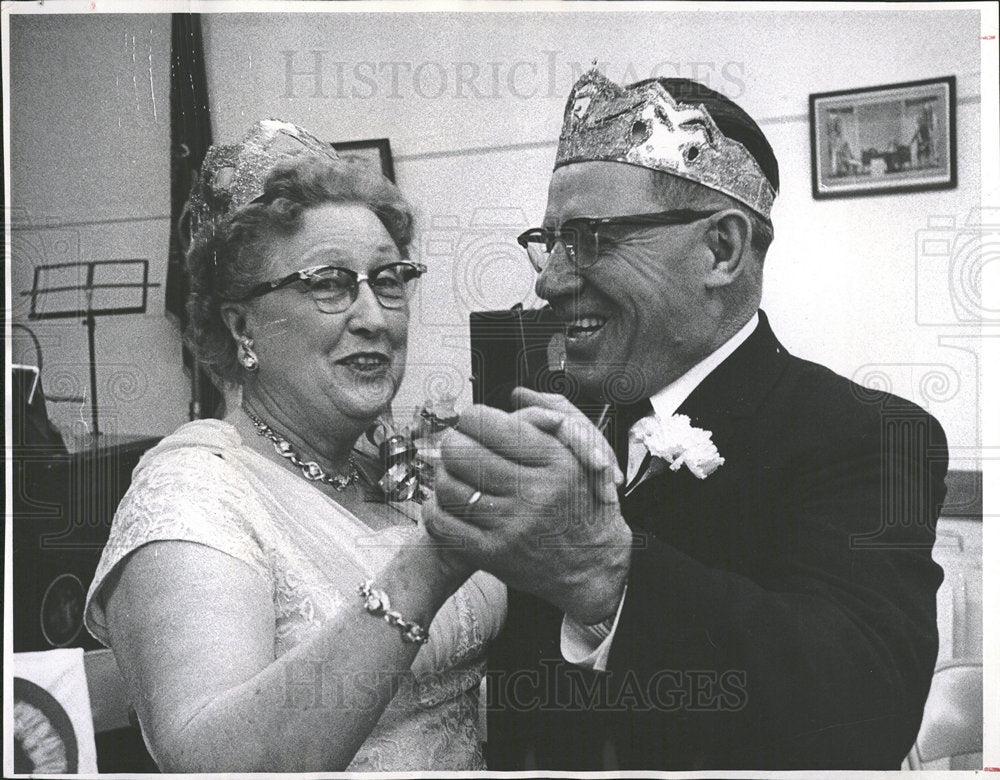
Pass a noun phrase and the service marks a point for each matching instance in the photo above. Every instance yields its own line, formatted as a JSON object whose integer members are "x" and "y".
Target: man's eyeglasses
{"x": 335, "y": 289}
{"x": 580, "y": 238}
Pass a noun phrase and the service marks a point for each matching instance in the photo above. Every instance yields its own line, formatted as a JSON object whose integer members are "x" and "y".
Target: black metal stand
{"x": 40, "y": 293}
{"x": 90, "y": 322}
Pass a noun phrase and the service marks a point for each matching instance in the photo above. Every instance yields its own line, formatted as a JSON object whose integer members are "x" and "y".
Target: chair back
{"x": 952, "y": 726}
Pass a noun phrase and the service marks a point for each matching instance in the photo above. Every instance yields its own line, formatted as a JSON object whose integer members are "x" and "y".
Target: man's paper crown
{"x": 233, "y": 175}
{"x": 643, "y": 125}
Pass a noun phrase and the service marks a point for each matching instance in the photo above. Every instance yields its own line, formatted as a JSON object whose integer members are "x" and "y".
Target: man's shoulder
{"x": 813, "y": 391}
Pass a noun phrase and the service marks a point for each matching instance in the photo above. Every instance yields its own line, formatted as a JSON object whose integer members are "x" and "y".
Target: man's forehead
{"x": 600, "y": 189}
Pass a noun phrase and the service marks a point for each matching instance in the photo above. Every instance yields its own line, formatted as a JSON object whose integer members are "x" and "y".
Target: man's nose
{"x": 559, "y": 277}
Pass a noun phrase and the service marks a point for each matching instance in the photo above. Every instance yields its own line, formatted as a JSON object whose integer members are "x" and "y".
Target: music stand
{"x": 90, "y": 290}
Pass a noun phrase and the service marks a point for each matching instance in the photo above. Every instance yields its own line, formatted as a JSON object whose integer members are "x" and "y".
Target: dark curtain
{"x": 190, "y": 137}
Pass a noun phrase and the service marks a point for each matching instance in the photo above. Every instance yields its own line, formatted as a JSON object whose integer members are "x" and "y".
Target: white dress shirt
{"x": 590, "y": 646}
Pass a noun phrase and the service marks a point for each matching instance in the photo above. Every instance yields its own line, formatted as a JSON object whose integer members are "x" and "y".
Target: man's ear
{"x": 234, "y": 315}
{"x": 728, "y": 239}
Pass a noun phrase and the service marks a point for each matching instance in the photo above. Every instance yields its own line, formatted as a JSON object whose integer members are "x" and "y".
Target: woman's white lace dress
{"x": 201, "y": 484}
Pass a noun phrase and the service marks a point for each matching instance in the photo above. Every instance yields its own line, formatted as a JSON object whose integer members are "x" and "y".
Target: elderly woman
{"x": 265, "y": 616}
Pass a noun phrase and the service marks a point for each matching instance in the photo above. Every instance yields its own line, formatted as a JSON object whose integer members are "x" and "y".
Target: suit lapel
{"x": 738, "y": 386}
{"x": 725, "y": 403}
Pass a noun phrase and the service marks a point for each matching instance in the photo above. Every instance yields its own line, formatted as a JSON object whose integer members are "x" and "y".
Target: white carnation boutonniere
{"x": 679, "y": 443}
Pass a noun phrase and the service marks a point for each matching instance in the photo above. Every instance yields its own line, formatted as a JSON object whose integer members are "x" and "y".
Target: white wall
{"x": 90, "y": 180}
{"x": 845, "y": 280}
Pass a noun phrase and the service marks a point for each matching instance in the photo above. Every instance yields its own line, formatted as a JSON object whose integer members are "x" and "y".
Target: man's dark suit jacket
{"x": 780, "y": 614}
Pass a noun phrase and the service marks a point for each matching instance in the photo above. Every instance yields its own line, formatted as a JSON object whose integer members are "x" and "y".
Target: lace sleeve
{"x": 189, "y": 494}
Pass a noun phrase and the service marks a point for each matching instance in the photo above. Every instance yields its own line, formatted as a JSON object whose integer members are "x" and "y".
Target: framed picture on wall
{"x": 876, "y": 140}
{"x": 376, "y": 151}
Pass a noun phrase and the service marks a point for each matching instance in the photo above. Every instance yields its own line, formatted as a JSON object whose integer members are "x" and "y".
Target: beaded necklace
{"x": 310, "y": 469}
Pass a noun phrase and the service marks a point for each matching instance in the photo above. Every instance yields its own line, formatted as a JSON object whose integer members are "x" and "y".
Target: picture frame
{"x": 893, "y": 138}
{"x": 375, "y": 150}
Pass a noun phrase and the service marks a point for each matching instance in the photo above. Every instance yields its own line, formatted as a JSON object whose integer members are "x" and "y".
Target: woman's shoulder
{"x": 198, "y": 471}
{"x": 188, "y": 488}
{"x": 211, "y": 435}
{"x": 202, "y": 450}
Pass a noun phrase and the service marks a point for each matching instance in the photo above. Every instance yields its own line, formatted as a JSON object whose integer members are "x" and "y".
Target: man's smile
{"x": 582, "y": 328}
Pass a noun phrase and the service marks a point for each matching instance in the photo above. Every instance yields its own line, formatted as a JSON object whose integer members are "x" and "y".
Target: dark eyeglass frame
{"x": 550, "y": 238}
{"x": 312, "y": 273}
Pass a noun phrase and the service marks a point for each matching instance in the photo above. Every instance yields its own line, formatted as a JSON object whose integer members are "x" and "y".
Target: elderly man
{"x": 759, "y": 593}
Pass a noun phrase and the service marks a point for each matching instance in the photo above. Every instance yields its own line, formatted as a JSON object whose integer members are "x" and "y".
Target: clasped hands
{"x": 531, "y": 497}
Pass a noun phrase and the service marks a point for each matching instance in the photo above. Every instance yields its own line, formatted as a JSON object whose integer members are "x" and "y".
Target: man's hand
{"x": 547, "y": 519}
{"x": 574, "y": 430}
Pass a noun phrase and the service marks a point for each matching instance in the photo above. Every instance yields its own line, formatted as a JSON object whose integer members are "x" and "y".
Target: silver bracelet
{"x": 377, "y": 604}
